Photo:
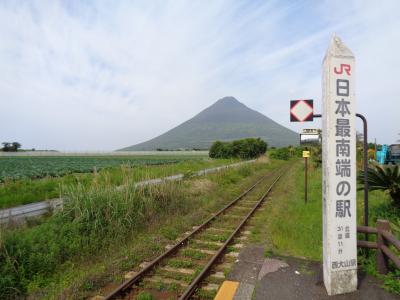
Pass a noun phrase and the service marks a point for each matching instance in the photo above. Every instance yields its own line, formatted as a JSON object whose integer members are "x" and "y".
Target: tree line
{"x": 245, "y": 148}
{"x": 10, "y": 147}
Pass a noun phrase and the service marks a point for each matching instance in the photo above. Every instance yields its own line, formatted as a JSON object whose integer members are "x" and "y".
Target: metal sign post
{"x": 302, "y": 111}
{"x": 306, "y": 155}
{"x": 339, "y": 170}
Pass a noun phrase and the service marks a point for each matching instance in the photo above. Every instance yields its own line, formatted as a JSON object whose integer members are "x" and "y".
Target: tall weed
{"x": 92, "y": 217}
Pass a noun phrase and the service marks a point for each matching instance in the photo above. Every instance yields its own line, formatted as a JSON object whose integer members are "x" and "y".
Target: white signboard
{"x": 339, "y": 170}
{"x": 310, "y": 139}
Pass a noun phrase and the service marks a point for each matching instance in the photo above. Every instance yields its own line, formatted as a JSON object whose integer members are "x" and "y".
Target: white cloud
{"x": 99, "y": 76}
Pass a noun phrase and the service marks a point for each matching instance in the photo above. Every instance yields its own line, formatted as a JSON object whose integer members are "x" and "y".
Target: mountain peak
{"x": 228, "y": 100}
{"x": 226, "y": 119}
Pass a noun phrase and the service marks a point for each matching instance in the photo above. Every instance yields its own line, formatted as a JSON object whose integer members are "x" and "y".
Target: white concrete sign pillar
{"x": 339, "y": 170}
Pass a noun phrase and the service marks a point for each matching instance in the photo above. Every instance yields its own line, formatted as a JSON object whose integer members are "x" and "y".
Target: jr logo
{"x": 343, "y": 67}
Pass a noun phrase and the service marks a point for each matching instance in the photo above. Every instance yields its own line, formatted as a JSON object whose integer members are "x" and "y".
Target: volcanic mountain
{"x": 225, "y": 120}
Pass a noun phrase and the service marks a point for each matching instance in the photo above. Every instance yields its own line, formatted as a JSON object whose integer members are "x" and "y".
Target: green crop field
{"x": 33, "y": 167}
{"x": 28, "y": 179}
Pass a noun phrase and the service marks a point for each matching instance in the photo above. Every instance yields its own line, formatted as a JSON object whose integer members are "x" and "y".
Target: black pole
{"x": 365, "y": 126}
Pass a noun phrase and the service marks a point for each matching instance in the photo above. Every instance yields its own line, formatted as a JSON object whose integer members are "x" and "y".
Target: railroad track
{"x": 188, "y": 269}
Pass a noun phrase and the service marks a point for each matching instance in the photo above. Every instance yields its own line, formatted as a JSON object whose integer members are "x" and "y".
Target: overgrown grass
{"x": 91, "y": 219}
{"x": 178, "y": 263}
{"x": 380, "y": 207}
{"x": 145, "y": 296}
{"x": 290, "y": 226}
{"x": 102, "y": 231}
{"x": 24, "y": 191}
{"x": 294, "y": 228}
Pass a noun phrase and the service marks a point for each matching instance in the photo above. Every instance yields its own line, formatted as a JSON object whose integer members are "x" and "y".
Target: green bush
{"x": 281, "y": 153}
{"x": 385, "y": 178}
{"x": 316, "y": 156}
{"x": 285, "y": 153}
{"x": 221, "y": 150}
{"x": 245, "y": 149}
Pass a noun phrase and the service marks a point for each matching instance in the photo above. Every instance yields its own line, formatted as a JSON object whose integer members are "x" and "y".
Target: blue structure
{"x": 382, "y": 154}
{"x": 388, "y": 154}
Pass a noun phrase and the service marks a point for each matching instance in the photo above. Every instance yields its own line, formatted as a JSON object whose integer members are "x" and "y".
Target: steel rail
{"x": 196, "y": 282}
{"x": 127, "y": 284}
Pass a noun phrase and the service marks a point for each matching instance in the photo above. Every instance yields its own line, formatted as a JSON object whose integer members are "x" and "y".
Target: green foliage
{"x": 11, "y": 147}
{"x": 144, "y": 296}
{"x": 245, "y": 148}
{"x": 385, "y": 178}
{"x": 280, "y": 153}
{"x": 387, "y": 211}
{"x": 372, "y": 146}
{"x": 268, "y": 253}
{"x": 220, "y": 149}
{"x": 73, "y": 251}
{"x": 24, "y": 191}
{"x": 245, "y": 171}
{"x": 90, "y": 219}
{"x": 285, "y": 153}
{"x": 178, "y": 263}
{"x": 193, "y": 254}
{"x": 316, "y": 156}
{"x": 383, "y": 209}
{"x": 289, "y": 225}
{"x": 391, "y": 282}
{"x": 17, "y": 167}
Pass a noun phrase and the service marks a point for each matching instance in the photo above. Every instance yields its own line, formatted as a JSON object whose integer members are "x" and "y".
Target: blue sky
{"x": 101, "y": 75}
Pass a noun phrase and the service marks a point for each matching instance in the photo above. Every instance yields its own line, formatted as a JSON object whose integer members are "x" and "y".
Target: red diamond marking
{"x": 301, "y": 110}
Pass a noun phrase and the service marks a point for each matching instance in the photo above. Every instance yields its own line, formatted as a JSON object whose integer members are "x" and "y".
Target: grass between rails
{"x": 289, "y": 227}
{"x": 103, "y": 232}
{"x": 13, "y": 193}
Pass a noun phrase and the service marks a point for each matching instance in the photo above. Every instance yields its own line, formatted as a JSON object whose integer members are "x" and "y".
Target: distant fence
{"x": 384, "y": 239}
